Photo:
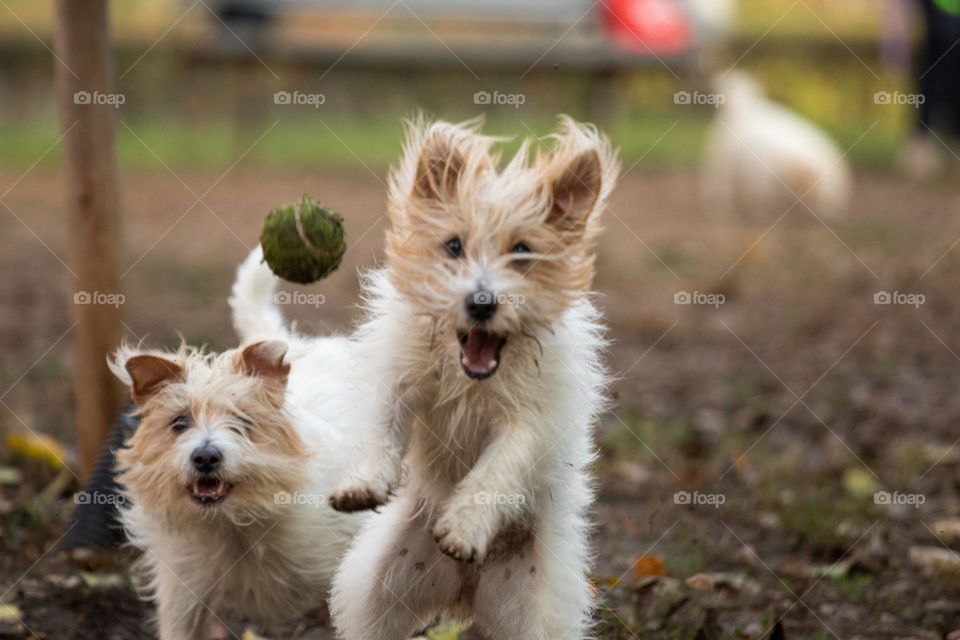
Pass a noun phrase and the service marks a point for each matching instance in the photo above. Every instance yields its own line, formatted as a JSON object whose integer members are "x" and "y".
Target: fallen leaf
{"x": 648, "y": 565}
{"x": 39, "y": 448}
{"x": 859, "y": 482}
{"x": 103, "y": 580}
{"x": 10, "y": 476}
{"x": 700, "y": 582}
{"x": 9, "y": 613}
{"x": 948, "y": 530}
{"x": 449, "y": 631}
{"x": 720, "y": 581}
{"x": 931, "y": 559}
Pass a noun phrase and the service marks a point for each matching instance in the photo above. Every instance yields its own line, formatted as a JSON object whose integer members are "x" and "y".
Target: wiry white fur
{"x": 523, "y": 434}
{"x": 762, "y": 156}
{"x": 278, "y": 560}
{"x": 255, "y": 317}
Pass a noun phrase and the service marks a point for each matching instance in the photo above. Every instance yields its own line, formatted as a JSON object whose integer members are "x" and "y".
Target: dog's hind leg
{"x": 542, "y": 591}
{"x": 394, "y": 580}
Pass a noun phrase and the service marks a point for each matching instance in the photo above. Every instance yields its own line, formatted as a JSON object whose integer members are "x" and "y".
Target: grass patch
{"x": 813, "y": 523}
{"x": 646, "y": 138}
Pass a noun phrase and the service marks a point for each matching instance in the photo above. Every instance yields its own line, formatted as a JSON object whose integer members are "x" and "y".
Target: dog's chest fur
{"x": 262, "y": 570}
{"x": 452, "y": 420}
{"x": 446, "y": 441}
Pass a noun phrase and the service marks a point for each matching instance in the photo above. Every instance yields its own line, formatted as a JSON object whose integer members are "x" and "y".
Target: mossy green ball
{"x": 285, "y": 251}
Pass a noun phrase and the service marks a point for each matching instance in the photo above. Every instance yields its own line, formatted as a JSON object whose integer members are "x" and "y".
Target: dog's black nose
{"x": 481, "y": 305}
{"x": 206, "y": 459}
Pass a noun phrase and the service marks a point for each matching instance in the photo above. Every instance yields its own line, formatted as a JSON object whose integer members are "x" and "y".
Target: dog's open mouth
{"x": 208, "y": 491}
{"x": 480, "y": 352}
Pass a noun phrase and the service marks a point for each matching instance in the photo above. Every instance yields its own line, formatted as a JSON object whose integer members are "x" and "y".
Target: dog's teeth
{"x": 491, "y": 364}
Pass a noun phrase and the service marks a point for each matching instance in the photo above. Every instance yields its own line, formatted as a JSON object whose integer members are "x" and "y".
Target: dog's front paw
{"x": 368, "y": 486}
{"x": 358, "y": 498}
{"x": 460, "y": 543}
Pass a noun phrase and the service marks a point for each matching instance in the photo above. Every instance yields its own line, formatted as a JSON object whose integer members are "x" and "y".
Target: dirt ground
{"x": 753, "y": 432}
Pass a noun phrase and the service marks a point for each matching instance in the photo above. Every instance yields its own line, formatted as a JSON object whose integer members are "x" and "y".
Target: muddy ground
{"x": 751, "y": 442}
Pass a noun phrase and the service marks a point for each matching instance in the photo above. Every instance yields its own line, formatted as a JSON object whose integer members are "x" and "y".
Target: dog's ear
{"x": 265, "y": 360}
{"x": 574, "y": 189}
{"x": 148, "y": 374}
{"x": 439, "y": 166}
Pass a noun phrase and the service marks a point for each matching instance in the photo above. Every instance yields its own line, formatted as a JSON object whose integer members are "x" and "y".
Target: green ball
{"x": 304, "y": 252}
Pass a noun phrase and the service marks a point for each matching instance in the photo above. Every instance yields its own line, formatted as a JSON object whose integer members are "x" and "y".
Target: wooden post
{"x": 88, "y": 108}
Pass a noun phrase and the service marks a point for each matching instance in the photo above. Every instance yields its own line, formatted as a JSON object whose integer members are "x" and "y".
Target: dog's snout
{"x": 481, "y": 305}
{"x": 206, "y": 459}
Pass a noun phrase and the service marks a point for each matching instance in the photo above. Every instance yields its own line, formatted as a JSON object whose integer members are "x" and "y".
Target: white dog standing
{"x": 761, "y": 156}
{"x": 482, "y": 330}
{"x": 229, "y": 471}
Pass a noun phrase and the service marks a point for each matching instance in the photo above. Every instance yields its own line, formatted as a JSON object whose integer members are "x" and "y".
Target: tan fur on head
{"x": 189, "y": 398}
{"x": 449, "y": 185}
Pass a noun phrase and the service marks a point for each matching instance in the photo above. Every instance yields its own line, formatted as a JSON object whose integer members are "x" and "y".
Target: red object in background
{"x": 648, "y": 26}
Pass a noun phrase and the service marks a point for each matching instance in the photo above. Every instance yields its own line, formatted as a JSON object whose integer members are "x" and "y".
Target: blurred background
{"x": 781, "y": 458}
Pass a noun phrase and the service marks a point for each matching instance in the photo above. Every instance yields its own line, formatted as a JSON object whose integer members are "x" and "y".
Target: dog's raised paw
{"x": 357, "y": 499}
{"x": 453, "y": 546}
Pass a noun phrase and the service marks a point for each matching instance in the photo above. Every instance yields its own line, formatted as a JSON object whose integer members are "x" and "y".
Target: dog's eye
{"x": 454, "y": 247}
{"x": 180, "y": 424}
{"x": 521, "y": 247}
{"x": 244, "y": 422}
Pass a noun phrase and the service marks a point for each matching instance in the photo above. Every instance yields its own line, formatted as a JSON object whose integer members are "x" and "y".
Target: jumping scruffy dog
{"x": 483, "y": 333}
{"x": 228, "y": 473}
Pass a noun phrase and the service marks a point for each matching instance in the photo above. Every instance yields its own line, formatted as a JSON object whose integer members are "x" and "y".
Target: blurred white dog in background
{"x": 761, "y": 157}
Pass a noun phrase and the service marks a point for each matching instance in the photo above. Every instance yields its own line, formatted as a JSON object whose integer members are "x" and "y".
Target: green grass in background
{"x": 648, "y": 139}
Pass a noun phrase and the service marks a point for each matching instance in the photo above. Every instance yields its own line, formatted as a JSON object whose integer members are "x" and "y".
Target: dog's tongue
{"x": 480, "y": 352}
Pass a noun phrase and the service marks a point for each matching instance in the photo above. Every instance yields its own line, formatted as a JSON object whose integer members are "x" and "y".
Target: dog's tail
{"x": 255, "y": 316}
